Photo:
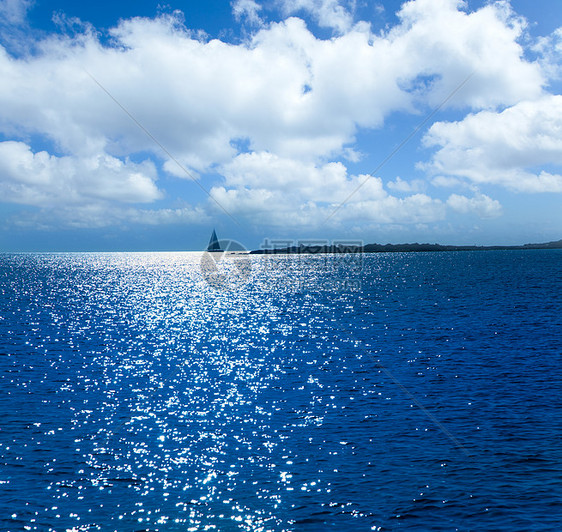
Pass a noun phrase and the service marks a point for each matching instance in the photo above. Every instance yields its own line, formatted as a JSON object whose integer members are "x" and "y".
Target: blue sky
{"x": 141, "y": 126}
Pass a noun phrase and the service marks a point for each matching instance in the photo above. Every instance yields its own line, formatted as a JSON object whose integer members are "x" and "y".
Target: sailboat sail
{"x": 214, "y": 244}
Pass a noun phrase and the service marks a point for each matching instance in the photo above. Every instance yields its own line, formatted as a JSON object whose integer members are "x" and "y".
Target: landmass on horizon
{"x": 396, "y": 248}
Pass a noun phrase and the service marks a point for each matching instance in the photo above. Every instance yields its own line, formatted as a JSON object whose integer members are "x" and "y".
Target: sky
{"x": 138, "y": 126}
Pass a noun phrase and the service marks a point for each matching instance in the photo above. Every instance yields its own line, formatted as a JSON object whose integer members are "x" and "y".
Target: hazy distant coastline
{"x": 400, "y": 248}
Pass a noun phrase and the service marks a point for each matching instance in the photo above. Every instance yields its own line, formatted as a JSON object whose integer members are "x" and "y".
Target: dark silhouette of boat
{"x": 214, "y": 244}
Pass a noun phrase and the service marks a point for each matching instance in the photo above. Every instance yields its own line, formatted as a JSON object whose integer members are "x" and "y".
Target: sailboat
{"x": 214, "y": 244}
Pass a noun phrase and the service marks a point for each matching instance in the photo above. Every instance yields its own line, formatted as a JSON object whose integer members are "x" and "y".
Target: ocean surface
{"x": 170, "y": 391}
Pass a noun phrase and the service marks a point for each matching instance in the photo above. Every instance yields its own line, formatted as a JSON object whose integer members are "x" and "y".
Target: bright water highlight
{"x": 404, "y": 391}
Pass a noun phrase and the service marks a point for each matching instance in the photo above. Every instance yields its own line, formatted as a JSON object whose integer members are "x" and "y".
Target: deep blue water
{"x": 398, "y": 391}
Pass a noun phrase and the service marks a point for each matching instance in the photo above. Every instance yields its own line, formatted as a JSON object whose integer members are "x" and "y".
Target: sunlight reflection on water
{"x": 139, "y": 397}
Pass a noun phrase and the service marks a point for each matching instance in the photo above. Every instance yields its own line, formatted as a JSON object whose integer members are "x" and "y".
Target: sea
{"x": 195, "y": 391}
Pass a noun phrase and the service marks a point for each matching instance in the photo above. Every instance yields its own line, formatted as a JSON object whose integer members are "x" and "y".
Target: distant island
{"x": 399, "y": 248}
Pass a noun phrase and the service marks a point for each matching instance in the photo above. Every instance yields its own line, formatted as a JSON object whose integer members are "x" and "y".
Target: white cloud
{"x": 99, "y": 215}
{"x": 15, "y": 11}
{"x": 285, "y": 90}
{"x": 449, "y": 182}
{"x": 482, "y": 205}
{"x": 503, "y": 148}
{"x": 328, "y": 183}
{"x": 184, "y": 215}
{"x": 549, "y": 49}
{"x": 295, "y": 101}
{"x": 265, "y": 188}
{"x": 273, "y": 208}
{"x": 400, "y": 185}
{"x": 414, "y": 209}
{"x": 327, "y": 13}
{"x": 14, "y": 27}
{"x": 247, "y": 9}
{"x": 42, "y": 179}
{"x": 445, "y": 45}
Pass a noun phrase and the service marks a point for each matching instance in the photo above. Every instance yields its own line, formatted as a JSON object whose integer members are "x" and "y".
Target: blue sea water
{"x": 415, "y": 391}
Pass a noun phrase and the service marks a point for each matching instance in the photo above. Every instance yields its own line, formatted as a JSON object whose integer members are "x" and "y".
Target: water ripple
{"x": 136, "y": 397}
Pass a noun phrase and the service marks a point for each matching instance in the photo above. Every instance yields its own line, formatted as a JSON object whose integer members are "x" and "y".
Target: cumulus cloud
{"x": 503, "y": 147}
{"x": 272, "y": 208}
{"x": 447, "y": 44}
{"x": 42, "y": 179}
{"x": 333, "y": 14}
{"x": 482, "y": 205}
{"x": 196, "y": 97}
{"x": 400, "y": 185}
{"x": 549, "y": 49}
{"x": 266, "y": 188}
{"x": 294, "y": 102}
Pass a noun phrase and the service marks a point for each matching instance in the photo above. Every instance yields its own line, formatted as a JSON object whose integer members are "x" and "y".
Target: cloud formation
{"x": 327, "y": 13}
{"x": 480, "y": 204}
{"x": 503, "y": 147}
{"x": 264, "y": 188}
{"x": 247, "y": 10}
{"x": 46, "y": 180}
{"x": 14, "y": 11}
{"x": 270, "y": 123}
